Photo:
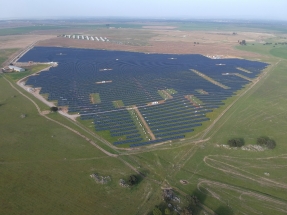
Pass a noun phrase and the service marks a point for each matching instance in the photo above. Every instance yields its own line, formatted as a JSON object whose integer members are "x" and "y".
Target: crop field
{"x": 136, "y": 79}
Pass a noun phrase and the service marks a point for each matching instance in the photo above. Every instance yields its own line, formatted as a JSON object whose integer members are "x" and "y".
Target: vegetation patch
{"x": 279, "y": 52}
{"x": 118, "y": 103}
{"x": 266, "y": 142}
{"x": 95, "y": 98}
{"x": 201, "y": 91}
{"x": 54, "y": 109}
{"x": 236, "y": 142}
{"x": 15, "y": 76}
{"x": 171, "y": 91}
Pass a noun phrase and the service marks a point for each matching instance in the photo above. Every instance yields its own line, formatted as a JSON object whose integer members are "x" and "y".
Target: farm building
{"x": 17, "y": 69}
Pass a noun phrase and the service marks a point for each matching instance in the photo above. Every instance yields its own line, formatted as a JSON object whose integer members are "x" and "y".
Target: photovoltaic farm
{"x": 139, "y": 98}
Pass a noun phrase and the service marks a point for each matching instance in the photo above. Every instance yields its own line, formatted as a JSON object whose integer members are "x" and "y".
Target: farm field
{"x": 46, "y": 159}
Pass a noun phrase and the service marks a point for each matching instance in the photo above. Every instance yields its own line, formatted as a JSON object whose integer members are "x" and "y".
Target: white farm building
{"x": 17, "y": 69}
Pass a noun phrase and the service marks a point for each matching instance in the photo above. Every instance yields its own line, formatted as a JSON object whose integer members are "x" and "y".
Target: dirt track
{"x": 145, "y": 123}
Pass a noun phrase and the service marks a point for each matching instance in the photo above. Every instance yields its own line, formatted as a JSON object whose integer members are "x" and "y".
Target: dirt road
{"x": 144, "y": 123}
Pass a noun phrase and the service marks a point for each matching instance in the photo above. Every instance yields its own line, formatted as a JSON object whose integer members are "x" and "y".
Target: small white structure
{"x": 17, "y": 69}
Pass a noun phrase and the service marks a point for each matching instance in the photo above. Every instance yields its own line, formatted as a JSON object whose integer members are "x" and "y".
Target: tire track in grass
{"x": 78, "y": 133}
{"x": 208, "y": 185}
{"x": 230, "y": 169}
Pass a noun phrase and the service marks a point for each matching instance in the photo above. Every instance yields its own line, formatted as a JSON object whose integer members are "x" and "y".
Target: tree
{"x": 54, "y": 109}
{"x": 132, "y": 180}
{"x": 266, "y": 142}
{"x": 243, "y": 42}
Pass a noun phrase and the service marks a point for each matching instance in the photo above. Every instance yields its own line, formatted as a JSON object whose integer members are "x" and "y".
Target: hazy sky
{"x": 238, "y": 9}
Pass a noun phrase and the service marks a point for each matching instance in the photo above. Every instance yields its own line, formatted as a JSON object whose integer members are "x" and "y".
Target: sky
{"x": 209, "y": 9}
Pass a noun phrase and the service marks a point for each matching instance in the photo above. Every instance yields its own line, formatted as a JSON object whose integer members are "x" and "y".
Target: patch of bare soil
{"x": 184, "y": 182}
{"x": 45, "y": 112}
{"x": 21, "y": 41}
{"x": 64, "y": 109}
{"x": 170, "y": 47}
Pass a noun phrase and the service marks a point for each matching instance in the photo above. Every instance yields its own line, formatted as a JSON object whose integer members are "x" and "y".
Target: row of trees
{"x": 261, "y": 141}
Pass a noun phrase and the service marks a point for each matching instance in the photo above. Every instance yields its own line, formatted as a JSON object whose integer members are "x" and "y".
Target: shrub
{"x": 132, "y": 180}
{"x": 54, "y": 109}
{"x": 236, "y": 142}
{"x": 266, "y": 142}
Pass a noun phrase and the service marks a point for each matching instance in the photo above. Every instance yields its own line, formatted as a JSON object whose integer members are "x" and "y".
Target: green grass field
{"x": 28, "y": 71}
{"x": 27, "y": 29}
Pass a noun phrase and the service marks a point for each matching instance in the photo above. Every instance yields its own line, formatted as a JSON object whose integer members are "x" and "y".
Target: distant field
{"x": 26, "y": 30}
{"x": 225, "y": 26}
{"x": 276, "y": 51}
{"x": 5, "y": 53}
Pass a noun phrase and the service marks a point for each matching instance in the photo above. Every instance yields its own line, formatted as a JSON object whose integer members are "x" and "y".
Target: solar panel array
{"x": 135, "y": 79}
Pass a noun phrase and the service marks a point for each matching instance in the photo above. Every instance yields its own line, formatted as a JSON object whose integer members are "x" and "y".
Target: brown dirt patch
{"x": 45, "y": 112}
{"x": 171, "y": 47}
{"x": 21, "y": 41}
{"x": 184, "y": 182}
{"x": 64, "y": 109}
